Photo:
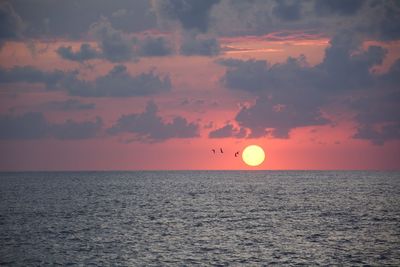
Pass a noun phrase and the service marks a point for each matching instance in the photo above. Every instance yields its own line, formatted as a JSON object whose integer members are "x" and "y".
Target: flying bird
{"x": 237, "y": 154}
{"x": 221, "y": 150}
{"x": 213, "y": 150}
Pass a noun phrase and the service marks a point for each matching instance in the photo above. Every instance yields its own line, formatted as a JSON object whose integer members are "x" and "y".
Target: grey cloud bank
{"x": 148, "y": 126}
{"x": 292, "y": 94}
{"x": 117, "y": 83}
{"x": 33, "y": 125}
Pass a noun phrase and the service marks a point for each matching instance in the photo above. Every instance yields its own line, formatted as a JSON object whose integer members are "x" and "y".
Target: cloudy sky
{"x": 108, "y": 85}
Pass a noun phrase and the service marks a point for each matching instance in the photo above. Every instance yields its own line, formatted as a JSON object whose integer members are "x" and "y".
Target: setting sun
{"x": 253, "y": 155}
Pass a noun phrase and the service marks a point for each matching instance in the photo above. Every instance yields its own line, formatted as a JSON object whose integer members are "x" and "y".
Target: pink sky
{"x": 203, "y": 94}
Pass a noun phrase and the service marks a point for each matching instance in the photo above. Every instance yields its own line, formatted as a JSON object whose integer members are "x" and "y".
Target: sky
{"x": 156, "y": 85}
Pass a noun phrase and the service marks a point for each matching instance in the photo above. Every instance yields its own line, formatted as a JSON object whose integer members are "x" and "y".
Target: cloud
{"x": 341, "y": 69}
{"x": 199, "y": 45}
{"x": 117, "y": 83}
{"x": 338, "y": 7}
{"x": 249, "y": 75}
{"x": 148, "y": 47}
{"x": 48, "y": 18}
{"x": 378, "y": 117}
{"x": 293, "y": 93}
{"x": 286, "y": 10}
{"x": 133, "y": 16}
{"x": 378, "y": 135}
{"x": 392, "y": 77}
{"x": 115, "y": 46}
{"x": 85, "y": 52}
{"x": 53, "y": 80}
{"x": 344, "y": 69}
{"x": 148, "y": 126}
{"x": 11, "y": 25}
{"x": 194, "y": 17}
{"x": 33, "y": 125}
{"x": 69, "y": 105}
{"x": 369, "y": 18}
{"x": 286, "y": 98}
{"x": 191, "y": 14}
{"x": 266, "y": 116}
{"x": 366, "y": 18}
{"x": 154, "y": 47}
{"x": 226, "y": 131}
{"x": 380, "y": 21}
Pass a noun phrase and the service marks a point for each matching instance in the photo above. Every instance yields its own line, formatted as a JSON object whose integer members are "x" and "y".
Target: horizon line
{"x": 200, "y": 170}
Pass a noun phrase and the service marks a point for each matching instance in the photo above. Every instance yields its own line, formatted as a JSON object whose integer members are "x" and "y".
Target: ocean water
{"x": 192, "y": 218}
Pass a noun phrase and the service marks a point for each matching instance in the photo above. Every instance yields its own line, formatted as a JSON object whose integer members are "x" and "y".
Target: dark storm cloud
{"x": 366, "y": 18}
{"x": 137, "y": 17}
{"x": 85, "y": 52}
{"x": 192, "y": 14}
{"x": 378, "y": 117}
{"x": 11, "y": 24}
{"x": 73, "y": 18}
{"x": 148, "y": 126}
{"x": 228, "y": 130}
{"x": 250, "y": 75}
{"x": 291, "y": 94}
{"x": 341, "y": 7}
{"x": 340, "y": 69}
{"x": 148, "y": 47}
{"x": 117, "y": 83}
{"x": 378, "y": 136}
{"x": 384, "y": 23}
{"x": 52, "y": 80}
{"x": 115, "y": 46}
{"x": 33, "y": 125}
{"x": 286, "y": 97}
{"x": 392, "y": 77}
{"x": 259, "y": 77}
{"x": 68, "y": 105}
{"x": 194, "y": 17}
{"x": 286, "y": 10}
{"x": 154, "y": 47}
{"x": 268, "y": 117}
{"x": 200, "y": 46}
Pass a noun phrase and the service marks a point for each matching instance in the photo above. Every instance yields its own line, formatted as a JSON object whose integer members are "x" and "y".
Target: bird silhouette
{"x": 213, "y": 150}
{"x": 237, "y": 154}
{"x": 221, "y": 150}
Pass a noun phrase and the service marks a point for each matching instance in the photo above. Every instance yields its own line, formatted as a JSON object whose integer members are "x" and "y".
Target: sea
{"x": 200, "y": 218}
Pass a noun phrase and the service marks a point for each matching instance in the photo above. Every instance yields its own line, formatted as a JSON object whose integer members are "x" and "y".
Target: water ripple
{"x": 200, "y": 218}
